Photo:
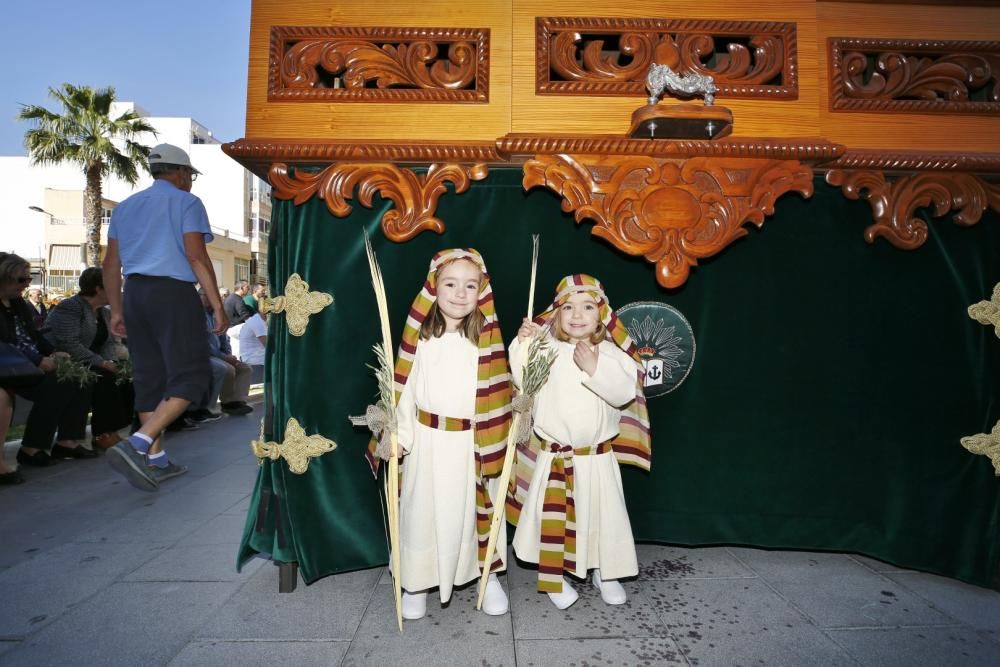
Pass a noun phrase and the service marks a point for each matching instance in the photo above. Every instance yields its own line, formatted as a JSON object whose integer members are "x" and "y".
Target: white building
{"x": 41, "y": 207}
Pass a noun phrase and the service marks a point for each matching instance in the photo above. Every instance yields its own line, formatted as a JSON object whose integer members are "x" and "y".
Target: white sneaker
{"x": 565, "y": 599}
{"x": 414, "y": 605}
{"x": 494, "y": 599}
{"x": 611, "y": 591}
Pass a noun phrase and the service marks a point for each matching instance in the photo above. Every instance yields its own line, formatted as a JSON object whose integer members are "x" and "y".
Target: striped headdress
{"x": 631, "y": 445}
{"x": 493, "y": 392}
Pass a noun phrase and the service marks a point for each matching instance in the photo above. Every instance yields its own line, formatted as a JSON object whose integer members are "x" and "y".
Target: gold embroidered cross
{"x": 987, "y": 444}
{"x": 988, "y": 312}
{"x": 296, "y": 449}
{"x": 298, "y": 303}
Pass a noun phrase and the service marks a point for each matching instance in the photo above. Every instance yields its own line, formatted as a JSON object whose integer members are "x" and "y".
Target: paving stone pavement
{"x": 93, "y": 572}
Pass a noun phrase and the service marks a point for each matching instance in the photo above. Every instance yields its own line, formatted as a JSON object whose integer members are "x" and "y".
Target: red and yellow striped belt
{"x": 443, "y": 423}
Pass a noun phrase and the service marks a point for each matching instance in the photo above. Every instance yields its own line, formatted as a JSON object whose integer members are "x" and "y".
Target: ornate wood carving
{"x": 747, "y": 58}
{"x": 914, "y": 75}
{"x": 671, "y": 212}
{"x": 414, "y": 195}
{"x": 378, "y": 64}
{"x": 894, "y": 203}
{"x": 794, "y": 149}
{"x": 916, "y": 161}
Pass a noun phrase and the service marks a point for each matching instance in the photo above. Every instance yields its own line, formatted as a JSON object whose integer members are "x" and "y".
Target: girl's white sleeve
{"x": 406, "y": 409}
{"x": 615, "y": 377}
{"x": 514, "y": 357}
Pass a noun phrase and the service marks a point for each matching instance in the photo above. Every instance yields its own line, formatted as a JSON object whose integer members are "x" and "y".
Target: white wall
{"x": 222, "y": 185}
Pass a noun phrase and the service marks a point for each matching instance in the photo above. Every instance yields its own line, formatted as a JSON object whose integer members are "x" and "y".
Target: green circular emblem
{"x": 665, "y": 341}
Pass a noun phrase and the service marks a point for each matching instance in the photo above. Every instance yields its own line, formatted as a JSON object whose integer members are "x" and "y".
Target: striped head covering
{"x": 493, "y": 392}
{"x": 631, "y": 446}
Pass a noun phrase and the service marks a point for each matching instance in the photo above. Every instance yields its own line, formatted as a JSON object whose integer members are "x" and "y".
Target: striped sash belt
{"x": 443, "y": 423}
{"x": 557, "y": 550}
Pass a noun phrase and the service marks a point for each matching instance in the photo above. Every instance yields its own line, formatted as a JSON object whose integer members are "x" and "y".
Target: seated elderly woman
{"x": 79, "y": 326}
{"x": 55, "y": 405}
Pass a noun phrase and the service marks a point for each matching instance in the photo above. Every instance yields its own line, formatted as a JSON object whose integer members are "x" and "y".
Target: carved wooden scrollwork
{"x": 379, "y": 64}
{"x": 914, "y": 75}
{"x": 415, "y": 195}
{"x": 747, "y": 58}
{"x": 894, "y": 203}
{"x": 672, "y": 212}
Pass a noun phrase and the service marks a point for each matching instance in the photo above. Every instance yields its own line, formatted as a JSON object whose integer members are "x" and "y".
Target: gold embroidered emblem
{"x": 298, "y": 303}
{"x": 987, "y": 444}
{"x": 296, "y": 449}
{"x": 988, "y": 312}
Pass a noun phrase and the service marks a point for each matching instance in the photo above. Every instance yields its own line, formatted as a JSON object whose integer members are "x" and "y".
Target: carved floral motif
{"x": 914, "y": 75}
{"x": 671, "y": 212}
{"x": 403, "y": 64}
{"x": 894, "y": 203}
{"x": 610, "y": 56}
{"x": 414, "y": 195}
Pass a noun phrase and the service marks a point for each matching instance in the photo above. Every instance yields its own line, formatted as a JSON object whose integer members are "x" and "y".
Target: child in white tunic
{"x": 452, "y": 441}
{"x": 572, "y": 514}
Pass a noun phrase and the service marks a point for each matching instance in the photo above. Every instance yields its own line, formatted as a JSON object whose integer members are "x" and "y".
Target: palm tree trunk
{"x": 92, "y": 209}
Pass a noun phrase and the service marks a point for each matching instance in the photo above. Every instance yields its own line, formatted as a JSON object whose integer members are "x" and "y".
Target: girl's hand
{"x": 585, "y": 358}
{"x": 527, "y": 330}
{"x": 47, "y": 364}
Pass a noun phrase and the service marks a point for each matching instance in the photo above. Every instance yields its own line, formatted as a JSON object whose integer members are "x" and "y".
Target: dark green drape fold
{"x": 832, "y": 380}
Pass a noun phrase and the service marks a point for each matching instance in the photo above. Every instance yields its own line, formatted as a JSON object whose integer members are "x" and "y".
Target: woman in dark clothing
{"x": 78, "y": 326}
{"x": 55, "y": 405}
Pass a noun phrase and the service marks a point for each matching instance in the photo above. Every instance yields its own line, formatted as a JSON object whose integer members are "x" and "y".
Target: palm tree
{"x": 86, "y": 134}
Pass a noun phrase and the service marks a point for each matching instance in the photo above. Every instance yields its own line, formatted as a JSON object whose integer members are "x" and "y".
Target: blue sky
{"x": 175, "y": 58}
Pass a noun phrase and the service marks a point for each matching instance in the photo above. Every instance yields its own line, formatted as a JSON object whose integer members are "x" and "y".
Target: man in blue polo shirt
{"x": 157, "y": 239}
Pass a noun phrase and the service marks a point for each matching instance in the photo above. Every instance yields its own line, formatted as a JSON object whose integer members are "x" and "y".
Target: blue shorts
{"x": 167, "y": 340}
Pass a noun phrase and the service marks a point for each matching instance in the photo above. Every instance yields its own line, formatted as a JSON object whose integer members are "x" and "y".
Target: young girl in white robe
{"x": 569, "y": 505}
{"x": 453, "y": 413}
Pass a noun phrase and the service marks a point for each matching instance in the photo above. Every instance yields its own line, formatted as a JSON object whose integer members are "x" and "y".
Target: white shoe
{"x": 414, "y": 605}
{"x": 494, "y": 599}
{"x": 565, "y": 599}
{"x": 611, "y": 591}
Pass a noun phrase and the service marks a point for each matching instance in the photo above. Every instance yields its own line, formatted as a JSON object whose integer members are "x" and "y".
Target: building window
{"x": 242, "y": 267}
{"x": 106, "y": 216}
{"x": 65, "y": 281}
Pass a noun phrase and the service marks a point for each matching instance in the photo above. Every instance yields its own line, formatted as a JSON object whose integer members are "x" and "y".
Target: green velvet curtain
{"x": 832, "y": 381}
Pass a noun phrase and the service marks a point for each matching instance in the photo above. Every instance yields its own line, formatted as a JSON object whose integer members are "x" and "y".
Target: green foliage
{"x": 85, "y": 133}
{"x": 541, "y": 356}
{"x": 124, "y": 373}
{"x": 80, "y": 374}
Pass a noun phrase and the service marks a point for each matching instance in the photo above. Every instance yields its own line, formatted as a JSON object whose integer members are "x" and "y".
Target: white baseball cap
{"x": 170, "y": 154}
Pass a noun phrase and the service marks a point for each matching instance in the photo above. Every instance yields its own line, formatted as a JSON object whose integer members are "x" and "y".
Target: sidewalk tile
{"x": 972, "y": 605}
{"x": 452, "y": 635}
{"x": 209, "y": 562}
{"x": 260, "y": 653}
{"x": 329, "y": 609}
{"x": 621, "y": 651}
{"x": 149, "y": 623}
{"x": 147, "y": 528}
{"x": 223, "y": 529}
{"x": 535, "y": 617}
{"x": 739, "y": 621}
{"x": 38, "y": 591}
{"x": 916, "y": 647}
{"x": 663, "y": 562}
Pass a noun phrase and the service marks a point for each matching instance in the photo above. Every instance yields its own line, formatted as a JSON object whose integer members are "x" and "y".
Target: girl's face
{"x": 578, "y": 317}
{"x": 458, "y": 291}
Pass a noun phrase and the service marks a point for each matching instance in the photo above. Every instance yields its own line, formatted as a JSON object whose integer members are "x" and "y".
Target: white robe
{"x": 437, "y": 505}
{"x": 579, "y": 410}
